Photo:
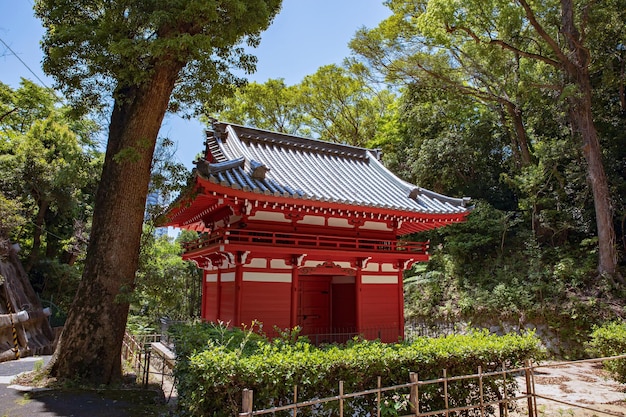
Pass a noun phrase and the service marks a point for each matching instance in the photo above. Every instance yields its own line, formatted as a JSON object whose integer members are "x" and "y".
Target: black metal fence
{"x": 151, "y": 361}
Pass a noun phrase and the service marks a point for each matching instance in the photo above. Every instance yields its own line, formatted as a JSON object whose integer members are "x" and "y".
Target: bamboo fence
{"x": 480, "y": 406}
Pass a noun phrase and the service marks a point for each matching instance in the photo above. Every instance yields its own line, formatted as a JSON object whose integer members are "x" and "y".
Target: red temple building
{"x": 302, "y": 232}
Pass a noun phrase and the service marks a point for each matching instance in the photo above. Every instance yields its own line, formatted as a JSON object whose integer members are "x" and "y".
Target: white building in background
{"x": 154, "y": 199}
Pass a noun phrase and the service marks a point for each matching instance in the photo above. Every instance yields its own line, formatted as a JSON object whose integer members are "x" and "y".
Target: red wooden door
{"x": 344, "y": 308}
{"x": 314, "y": 304}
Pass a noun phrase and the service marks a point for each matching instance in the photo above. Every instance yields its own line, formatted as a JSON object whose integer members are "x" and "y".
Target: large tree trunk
{"x": 521, "y": 138}
{"x": 90, "y": 346}
{"x": 581, "y": 115}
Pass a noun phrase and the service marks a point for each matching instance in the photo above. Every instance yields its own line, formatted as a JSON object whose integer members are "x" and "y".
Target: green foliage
{"x": 338, "y": 104}
{"x": 610, "y": 340}
{"x": 342, "y": 105}
{"x": 95, "y": 49}
{"x": 450, "y": 144}
{"x": 138, "y": 326}
{"x": 211, "y": 377}
{"x": 56, "y": 283}
{"x": 166, "y": 285}
{"x": 10, "y": 217}
{"x": 198, "y": 336}
{"x": 272, "y": 106}
{"x": 48, "y": 169}
{"x": 492, "y": 269}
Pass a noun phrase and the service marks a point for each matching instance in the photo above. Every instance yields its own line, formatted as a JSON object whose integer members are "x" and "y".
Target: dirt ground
{"x": 584, "y": 384}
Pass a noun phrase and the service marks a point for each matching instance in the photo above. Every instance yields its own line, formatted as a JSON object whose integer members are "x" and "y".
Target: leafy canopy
{"x": 338, "y": 104}
{"x": 94, "y": 47}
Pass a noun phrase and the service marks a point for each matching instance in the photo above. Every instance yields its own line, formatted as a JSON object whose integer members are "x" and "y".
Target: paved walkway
{"x": 571, "y": 388}
{"x": 18, "y": 401}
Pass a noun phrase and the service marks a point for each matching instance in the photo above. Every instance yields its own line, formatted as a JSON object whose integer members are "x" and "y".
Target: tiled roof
{"x": 284, "y": 165}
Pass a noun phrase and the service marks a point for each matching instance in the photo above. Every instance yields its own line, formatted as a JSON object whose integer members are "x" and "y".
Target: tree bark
{"x": 581, "y": 116}
{"x": 90, "y": 346}
{"x": 515, "y": 113}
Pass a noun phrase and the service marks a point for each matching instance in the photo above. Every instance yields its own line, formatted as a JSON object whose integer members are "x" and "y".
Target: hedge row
{"x": 610, "y": 340}
{"x": 211, "y": 378}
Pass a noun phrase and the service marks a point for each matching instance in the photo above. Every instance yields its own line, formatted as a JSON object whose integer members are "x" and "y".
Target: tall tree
{"x": 146, "y": 56}
{"x": 335, "y": 103}
{"x": 342, "y": 105}
{"x": 167, "y": 285}
{"x": 453, "y": 145}
{"x": 549, "y": 37}
{"x": 272, "y": 105}
{"x": 48, "y": 162}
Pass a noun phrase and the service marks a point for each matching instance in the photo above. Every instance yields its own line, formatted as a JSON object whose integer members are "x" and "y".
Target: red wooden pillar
{"x": 401, "y": 300}
{"x": 203, "y": 310}
{"x": 238, "y": 285}
{"x": 358, "y": 299}
{"x": 218, "y": 296}
{"x": 295, "y": 277}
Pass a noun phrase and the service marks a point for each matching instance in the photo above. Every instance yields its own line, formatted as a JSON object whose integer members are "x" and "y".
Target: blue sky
{"x": 305, "y": 35}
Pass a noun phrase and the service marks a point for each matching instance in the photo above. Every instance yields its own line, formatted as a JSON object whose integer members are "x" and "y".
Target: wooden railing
{"x": 136, "y": 351}
{"x": 514, "y": 389}
{"x": 410, "y": 393}
{"x": 304, "y": 240}
{"x": 151, "y": 360}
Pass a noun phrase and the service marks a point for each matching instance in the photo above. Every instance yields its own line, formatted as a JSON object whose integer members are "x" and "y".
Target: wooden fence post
{"x": 481, "y": 391}
{"x": 378, "y": 399}
{"x": 414, "y": 395}
{"x": 146, "y": 367}
{"x": 445, "y": 391}
{"x": 529, "y": 390}
{"x": 340, "y": 398}
{"x": 246, "y": 402}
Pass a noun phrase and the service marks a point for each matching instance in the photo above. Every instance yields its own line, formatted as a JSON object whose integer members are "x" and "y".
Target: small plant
{"x": 394, "y": 405}
{"x": 38, "y": 365}
{"x": 289, "y": 336}
{"x": 24, "y": 400}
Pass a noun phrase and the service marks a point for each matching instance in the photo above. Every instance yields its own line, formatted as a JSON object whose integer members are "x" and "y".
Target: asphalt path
{"x": 19, "y": 401}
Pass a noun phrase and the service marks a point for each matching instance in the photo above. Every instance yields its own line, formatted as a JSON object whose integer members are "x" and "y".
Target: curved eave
{"x": 188, "y": 205}
{"x": 231, "y": 182}
{"x": 191, "y": 209}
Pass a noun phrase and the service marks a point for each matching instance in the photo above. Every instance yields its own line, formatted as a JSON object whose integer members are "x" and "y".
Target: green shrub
{"x": 210, "y": 381}
{"x": 610, "y": 340}
{"x": 199, "y": 336}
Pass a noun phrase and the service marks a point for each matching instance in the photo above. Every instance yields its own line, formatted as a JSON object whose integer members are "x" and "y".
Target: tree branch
{"x": 503, "y": 45}
{"x": 8, "y": 113}
{"x": 525, "y": 54}
{"x": 470, "y": 33}
{"x": 543, "y": 34}
{"x": 482, "y": 95}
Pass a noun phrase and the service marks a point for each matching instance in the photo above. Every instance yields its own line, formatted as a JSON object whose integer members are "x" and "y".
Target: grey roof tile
{"x": 284, "y": 165}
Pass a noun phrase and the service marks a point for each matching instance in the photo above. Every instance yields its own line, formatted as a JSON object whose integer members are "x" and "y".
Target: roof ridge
{"x": 297, "y": 142}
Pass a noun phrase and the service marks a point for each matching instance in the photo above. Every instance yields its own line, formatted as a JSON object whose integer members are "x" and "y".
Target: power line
{"x": 24, "y": 63}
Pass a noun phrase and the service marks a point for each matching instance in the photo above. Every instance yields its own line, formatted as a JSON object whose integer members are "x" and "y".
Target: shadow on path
{"x": 18, "y": 401}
